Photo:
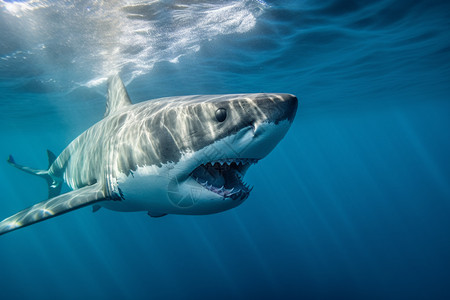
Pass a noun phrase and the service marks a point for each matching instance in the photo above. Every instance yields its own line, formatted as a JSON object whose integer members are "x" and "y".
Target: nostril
{"x": 255, "y": 129}
{"x": 252, "y": 126}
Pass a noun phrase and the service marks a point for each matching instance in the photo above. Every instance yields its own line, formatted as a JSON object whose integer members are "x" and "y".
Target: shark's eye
{"x": 221, "y": 114}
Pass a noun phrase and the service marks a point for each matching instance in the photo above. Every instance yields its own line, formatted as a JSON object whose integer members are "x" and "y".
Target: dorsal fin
{"x": 117, "y": 95}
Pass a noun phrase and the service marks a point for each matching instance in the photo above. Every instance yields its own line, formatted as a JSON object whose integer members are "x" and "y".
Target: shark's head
{"x": 221, "y": 138}
{"x": 188, "y": 154}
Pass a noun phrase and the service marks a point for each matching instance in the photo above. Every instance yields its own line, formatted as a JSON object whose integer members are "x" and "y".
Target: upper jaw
{"x": 239, "y": 164}
{"x": 242, "y": 164}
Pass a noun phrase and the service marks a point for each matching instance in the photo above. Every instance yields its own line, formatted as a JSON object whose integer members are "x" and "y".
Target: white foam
{"x": 19, "y": 9}
{"x": 99, "y": 38}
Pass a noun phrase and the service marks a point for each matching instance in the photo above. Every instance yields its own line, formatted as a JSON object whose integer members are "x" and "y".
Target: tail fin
{"x": 51, "y": 158}
{"x": 54, "y": 187}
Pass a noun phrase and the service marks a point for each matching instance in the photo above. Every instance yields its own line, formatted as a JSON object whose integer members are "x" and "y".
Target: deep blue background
{"x": 353, "y": 204}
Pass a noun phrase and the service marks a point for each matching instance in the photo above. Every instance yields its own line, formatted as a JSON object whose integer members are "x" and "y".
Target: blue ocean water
{"x": 354, "y": 203}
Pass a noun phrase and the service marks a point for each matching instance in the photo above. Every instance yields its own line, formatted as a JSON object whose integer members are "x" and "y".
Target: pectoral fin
{"x": 53, "y": 207}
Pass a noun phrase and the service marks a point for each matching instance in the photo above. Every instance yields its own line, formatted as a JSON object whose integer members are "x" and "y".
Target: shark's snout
{"x": 273, "y": 108}
{"x": 288, "y": 106}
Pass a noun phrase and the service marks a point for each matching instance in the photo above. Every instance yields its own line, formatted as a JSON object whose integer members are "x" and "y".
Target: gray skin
{"x": 159, "y": 135}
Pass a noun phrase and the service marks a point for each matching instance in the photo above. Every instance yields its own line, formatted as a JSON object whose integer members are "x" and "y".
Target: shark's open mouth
{"x": 225, "y": 177}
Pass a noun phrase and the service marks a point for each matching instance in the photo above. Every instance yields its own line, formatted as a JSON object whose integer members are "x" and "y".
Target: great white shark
{"x": 175, "y": 155}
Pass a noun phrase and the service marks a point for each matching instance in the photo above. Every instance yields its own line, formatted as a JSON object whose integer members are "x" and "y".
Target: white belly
{"x": 142, "y": 190}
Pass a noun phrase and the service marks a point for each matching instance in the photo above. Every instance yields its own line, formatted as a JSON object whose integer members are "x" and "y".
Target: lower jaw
{"x": 240, "y": 192}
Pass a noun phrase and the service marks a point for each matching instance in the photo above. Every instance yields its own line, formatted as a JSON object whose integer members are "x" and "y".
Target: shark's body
{"x": 179, "y": 155}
